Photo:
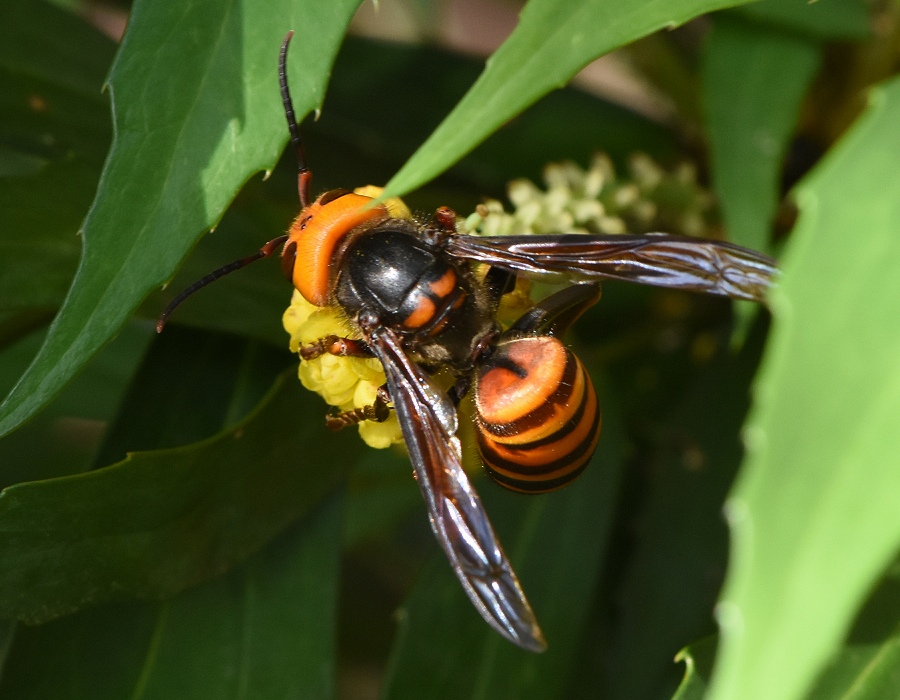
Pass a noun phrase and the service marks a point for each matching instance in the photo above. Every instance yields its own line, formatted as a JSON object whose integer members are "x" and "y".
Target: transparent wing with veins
{"x": 695, "y": 264}
{"x": 429, "y": 423}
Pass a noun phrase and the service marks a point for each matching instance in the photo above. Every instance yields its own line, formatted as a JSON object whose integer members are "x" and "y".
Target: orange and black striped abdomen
{"x": 538, "y": 419}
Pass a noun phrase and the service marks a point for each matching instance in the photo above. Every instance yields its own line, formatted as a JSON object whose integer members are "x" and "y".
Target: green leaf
{"x": 54, "y": 132}
{"x": 752, "y": 104}
{"x": 552, "y": 42}
{"x": 698, "y": 661}
{"x": 556, "y": 543}
{"x": 266, "y": 630}
{"x": 277, "y": 636}
{"x": 64, "y": 438}
{"x": 157, "y": 522}
{"x": 827, "y": 20}
{"x": 189, "y": 387}
{"x": 868, "y": 667}
{"x": 814, "y": 516}
{"x": 425, "y": 84}
{"x": 196, "y": 111}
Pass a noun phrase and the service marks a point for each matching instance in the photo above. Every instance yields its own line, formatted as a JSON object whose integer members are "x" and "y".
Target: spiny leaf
{"x": 196, "y": 110}
{"x": 814, "y": 516}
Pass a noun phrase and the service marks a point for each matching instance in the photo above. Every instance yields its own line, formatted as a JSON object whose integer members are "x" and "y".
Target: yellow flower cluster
{"x": 344, "y": 382}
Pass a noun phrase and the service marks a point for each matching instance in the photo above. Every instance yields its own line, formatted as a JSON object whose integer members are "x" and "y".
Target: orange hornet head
{"x": 311, "y": 254}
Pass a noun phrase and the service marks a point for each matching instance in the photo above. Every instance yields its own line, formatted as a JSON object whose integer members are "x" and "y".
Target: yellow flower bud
{"x": 331, "y": 378}
{"x": 396, "y": 207}
{"x": 377, "y": 435}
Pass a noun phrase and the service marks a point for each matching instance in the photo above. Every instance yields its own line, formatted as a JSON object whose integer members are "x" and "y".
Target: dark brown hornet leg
{"x": 335, "y": 345}
{"x": 377, "y": 412}
{"x": 349, "y": 347}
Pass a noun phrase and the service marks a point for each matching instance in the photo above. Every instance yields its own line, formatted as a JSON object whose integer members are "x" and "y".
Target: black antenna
{"x": 304, "y": 174}
{"x": 263, "y": 252}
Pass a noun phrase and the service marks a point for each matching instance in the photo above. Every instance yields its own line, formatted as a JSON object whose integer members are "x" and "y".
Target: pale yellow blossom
{"x": 597, "y": 200}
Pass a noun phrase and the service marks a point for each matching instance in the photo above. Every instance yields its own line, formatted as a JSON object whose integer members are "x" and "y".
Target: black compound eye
{"x": 288, "y": 259}
{"x": 332, "y": 195}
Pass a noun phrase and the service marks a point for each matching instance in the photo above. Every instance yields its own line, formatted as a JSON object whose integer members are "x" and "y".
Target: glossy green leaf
{"x": 266, "y": 630}
{"x": 556, "y": 543}
{"x": 752, "y": 105}
{"x": 279, "y": 638}
{"x": 160, "y": 521}
{"x": 196, "y": 111}
{"x": 829, "y": 20}
{"x": 698, "y": 662}
{"x": 552, "y": 42}
{"x": 424, "y": 85}
{"x": 190, "y": 386}
{"x": 813, "y": 517}
{"x": 868, "y": 666}
{"x": 54, "y": 133}
{"x": 64, "y": 438}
